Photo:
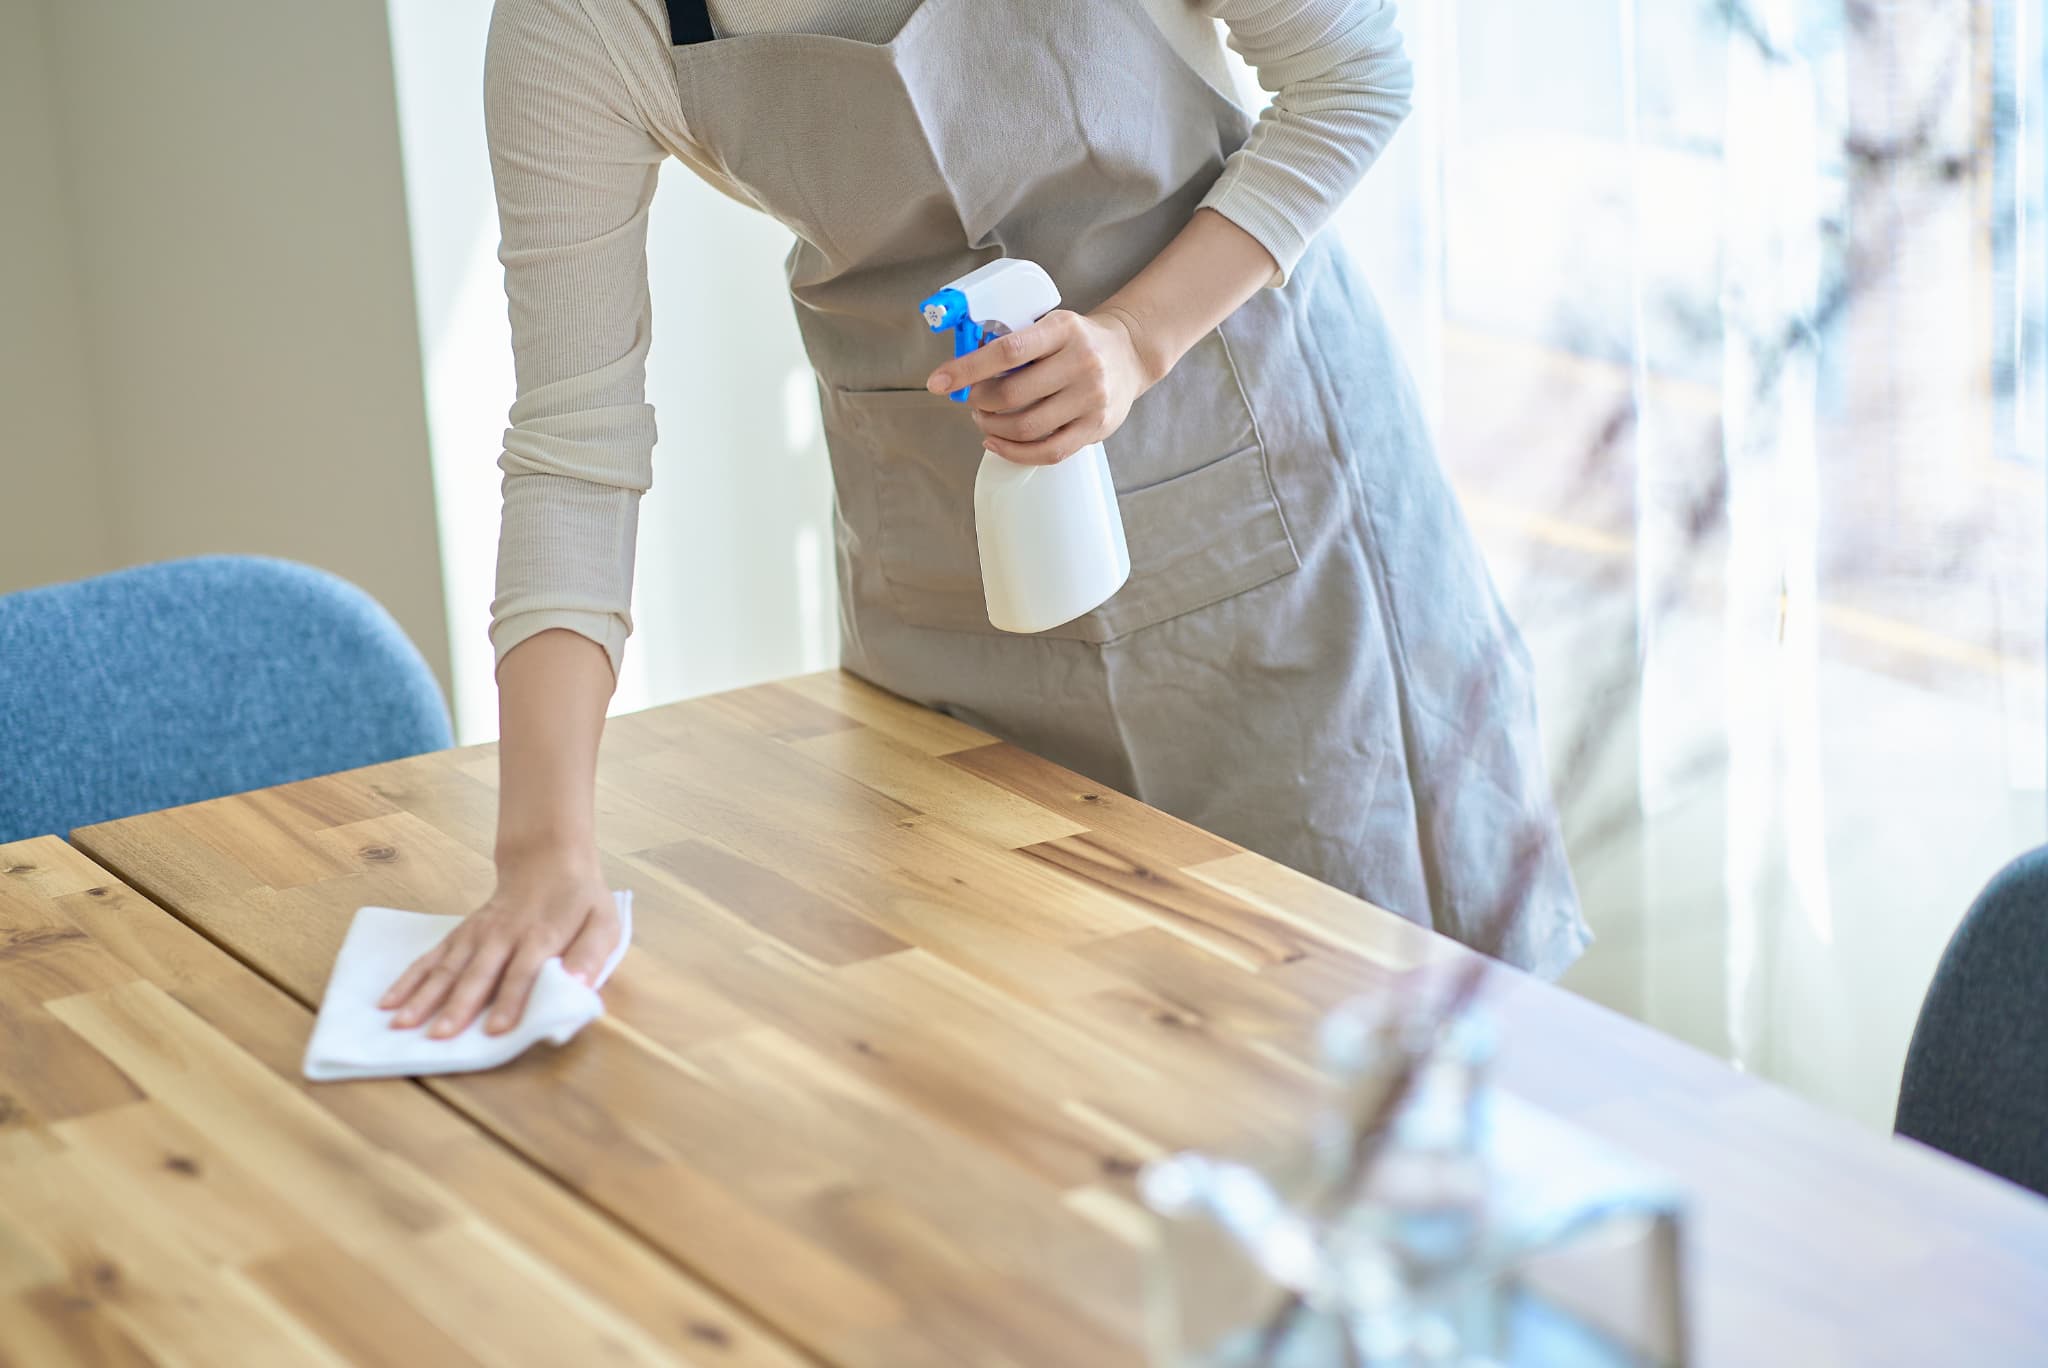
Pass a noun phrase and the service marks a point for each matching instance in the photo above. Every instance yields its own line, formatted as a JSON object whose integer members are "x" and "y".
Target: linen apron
{"x": 1309, "y": 658}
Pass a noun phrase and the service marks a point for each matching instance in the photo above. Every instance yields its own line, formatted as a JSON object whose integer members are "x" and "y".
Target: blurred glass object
{"x": 1480, "y": 1232}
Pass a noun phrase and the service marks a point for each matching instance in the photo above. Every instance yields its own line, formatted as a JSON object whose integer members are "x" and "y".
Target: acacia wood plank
{"x": 909, "y": 1006}
{"x": 172, "y": 1192}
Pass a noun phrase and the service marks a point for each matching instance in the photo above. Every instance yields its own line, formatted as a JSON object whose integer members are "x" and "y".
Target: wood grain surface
{"x": 170, "y": 1191}
{"x": 907, "y": 1007}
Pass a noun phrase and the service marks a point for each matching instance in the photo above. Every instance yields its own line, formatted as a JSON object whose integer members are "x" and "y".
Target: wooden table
{"x": 906, "y": 1009}
{"x": 170, "y": 1190}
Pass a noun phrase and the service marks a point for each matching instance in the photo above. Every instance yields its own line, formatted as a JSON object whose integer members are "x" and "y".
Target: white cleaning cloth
{"x": 353, "y": 1037}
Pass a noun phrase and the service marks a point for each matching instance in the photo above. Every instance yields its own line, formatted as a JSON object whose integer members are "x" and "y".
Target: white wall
{"x": 239, "y": 320}
{"x": 52, "y": 525}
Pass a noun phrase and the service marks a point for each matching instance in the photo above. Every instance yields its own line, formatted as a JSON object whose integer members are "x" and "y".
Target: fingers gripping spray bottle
{"x": 1051, "y": 536}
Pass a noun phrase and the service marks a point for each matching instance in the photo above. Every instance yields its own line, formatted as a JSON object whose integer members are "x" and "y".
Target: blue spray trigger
{"x": 948, "y": 309}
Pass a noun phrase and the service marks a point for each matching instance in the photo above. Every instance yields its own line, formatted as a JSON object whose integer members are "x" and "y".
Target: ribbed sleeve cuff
{"x": 1274, "y": 226}
{"x": 565, "y": 559}
{"x": 608, "y": 630}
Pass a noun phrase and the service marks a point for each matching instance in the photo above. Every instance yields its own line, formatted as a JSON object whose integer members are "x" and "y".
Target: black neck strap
{"x": 689, "y": 21}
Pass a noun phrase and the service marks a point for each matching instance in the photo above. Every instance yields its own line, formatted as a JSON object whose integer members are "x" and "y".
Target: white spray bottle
{"x": 1051, "y": 536}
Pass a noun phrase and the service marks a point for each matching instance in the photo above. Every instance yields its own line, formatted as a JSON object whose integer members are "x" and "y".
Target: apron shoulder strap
{"x": 689, "y": 21}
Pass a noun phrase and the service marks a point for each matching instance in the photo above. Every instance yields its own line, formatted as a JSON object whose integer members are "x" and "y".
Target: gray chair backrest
{"x": 1976, "y": 1076}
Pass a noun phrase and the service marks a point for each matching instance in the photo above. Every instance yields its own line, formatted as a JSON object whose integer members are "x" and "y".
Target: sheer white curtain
{"x": 1735, "y": 344}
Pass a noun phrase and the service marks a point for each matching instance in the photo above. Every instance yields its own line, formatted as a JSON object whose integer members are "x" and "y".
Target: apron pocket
{"x": 1196, "y": 538}
{"x": 904, "y": 462}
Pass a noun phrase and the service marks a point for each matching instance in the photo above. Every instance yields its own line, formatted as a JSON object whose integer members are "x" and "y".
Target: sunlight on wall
{"x": 437, "y": 58}
{"x": 735, "y": 580}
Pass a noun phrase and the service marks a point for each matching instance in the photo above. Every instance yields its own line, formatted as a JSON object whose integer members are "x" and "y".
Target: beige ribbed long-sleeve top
{"x": 581, "y": 107}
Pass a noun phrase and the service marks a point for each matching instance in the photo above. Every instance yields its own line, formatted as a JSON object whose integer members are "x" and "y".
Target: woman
{"x": 1309, "y": 657}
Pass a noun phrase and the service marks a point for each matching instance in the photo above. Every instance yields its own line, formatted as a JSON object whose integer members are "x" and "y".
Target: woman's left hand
{"x": 1071, "y": 380}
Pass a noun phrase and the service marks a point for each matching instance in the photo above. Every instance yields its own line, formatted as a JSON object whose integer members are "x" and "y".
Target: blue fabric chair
{"x": 171, "y": 683}
{"x": 1976, "y": 1079}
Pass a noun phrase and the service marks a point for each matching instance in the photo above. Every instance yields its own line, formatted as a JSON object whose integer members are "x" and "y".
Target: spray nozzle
{"x": 948, "y": 309}
{"x": 997, "y": 298}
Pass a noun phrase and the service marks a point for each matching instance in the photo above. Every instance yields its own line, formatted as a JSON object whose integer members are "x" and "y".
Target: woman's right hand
{"x": 548, "y": 902}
